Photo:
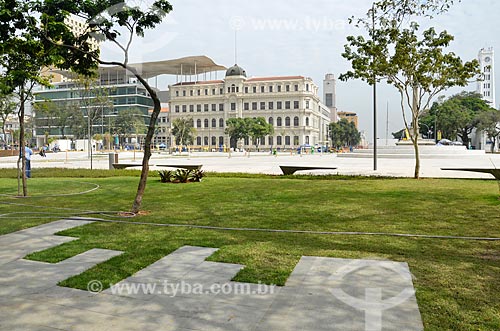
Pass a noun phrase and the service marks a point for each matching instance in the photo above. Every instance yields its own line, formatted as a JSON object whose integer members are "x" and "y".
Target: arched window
{"x": 307, "y": 140}
{"x": 287, "y": 121}
{"x": 270, "y": 141}
{"x": 205, "y": 140}
{"x": 271, "y": 121}
{"x": 198, "y": 141}
{"x": 279, "y": 140}
{"x": 233, "y": 88}
{"x": 206, "y": 123}
{"x": 307, "y": 121}
{"x": 198, "y": 124}
{"x": 221, "y": 141}
{"x": 278, "y": 121}
{"x": 287, "y": 140}
{"x": 214, "y": 141}
{"x": 214, "y": 123}
{"x": 295, "y": 121}
{"x": 221, "y": 123}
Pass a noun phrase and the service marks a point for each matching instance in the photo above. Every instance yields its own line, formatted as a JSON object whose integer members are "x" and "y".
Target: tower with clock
{"x": 486, "y": 86}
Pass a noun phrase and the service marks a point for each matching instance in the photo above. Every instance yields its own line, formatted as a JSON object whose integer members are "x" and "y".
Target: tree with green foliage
{"x": 237, "y": 129}
{"x": 116, "y": 22}
{"x": 7, "y": 108}
{"x": 258, "y": 128}
{"x": 183, "y": 131}
{"x": 457, "y": 116}
{"x": 414, "y": 63}
{"x": 344, "y": 134}
{"x": 489, "y": 123}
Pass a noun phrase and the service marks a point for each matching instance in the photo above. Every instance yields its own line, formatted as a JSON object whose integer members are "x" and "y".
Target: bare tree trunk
{"x": 147, "y": 151}
{"x": 22, "y": 143}
{"x": 416, "y": 130}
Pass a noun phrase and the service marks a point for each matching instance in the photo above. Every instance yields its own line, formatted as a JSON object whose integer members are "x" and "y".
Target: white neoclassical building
{"x": 290, "y": 103}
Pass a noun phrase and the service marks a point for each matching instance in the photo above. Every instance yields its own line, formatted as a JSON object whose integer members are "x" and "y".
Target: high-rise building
{"x": 486, "y": 86}
{"x": 330, "y": 95}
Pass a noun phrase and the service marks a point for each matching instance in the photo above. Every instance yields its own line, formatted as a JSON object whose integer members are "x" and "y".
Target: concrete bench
{"x": 182, "y": 166}
{"x": 290, "y": 170}
{"x": 494, "y": 172}
{"x": 125, "y": 165}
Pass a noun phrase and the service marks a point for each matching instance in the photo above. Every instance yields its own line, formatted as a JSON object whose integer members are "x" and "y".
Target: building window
{"x": 233, "y": 106}
{"x": 279, "y": 140}
{"x": 214, "y": 141}
{"x": 296, "y": 140}
{"x": 221, "y": 107}
{"x": 271, "y": 105}
{"x": 221, "y": 123}
{"x": 198, "y": 141}
{"x": 213, "y": 91}
{"x": 206, "y": 91}
{"x": 307, "y": 87}
{"x": 198, "y": 108}
{"x": 191, "y": 108}
{"x": 287, "y": 140}
{"x": 307, "y": 140}
{"x": 262, "y": 106}
{"x": 295, "y": 105}
{"x": 307, "y": 104}
{"x": 198, "y": 124}
{"x": 287, "y": 88}
{"x": 287, "y": 121}
{"x": 270, "y": 141}
{"x": 296, "y": 88}
{"x": 206, "y": 123}
{"x": 254, "y": 105}
{"x": 246, "y": 89}
{"x": 229, "y": 89}
{"x": 205, "y": 140}
{"x": 270, "y": 89}
{"x": 278, "y": 121}
{"x": 307, "y": 121}
{"x": 214, "y": 123}
{"x": 233, "y": 88}
{"x": 279, "y": 88}
{"x": 287, "y": 104}
{"x": 205, "y": 107}
{"x": 279, "y": 105}
{"x": 295, "y": 121}
{"x": 254, "y": 89}
{"x": 184, "y": 93}
{"x": 199, "y": 92}
{"x": 262, "y": 89}
{"x": 184, "y": 108}
{"x": 271, "y": 121}
{"x": 191, "y": 93}
{"x": 214, "y": 107}
{"x": 221, "y": 91}
{"x": 246, "y": 106}
{"x": 176, "y": 109}
{"x": 221, "y": 141}
{"x": 176, "y": 93}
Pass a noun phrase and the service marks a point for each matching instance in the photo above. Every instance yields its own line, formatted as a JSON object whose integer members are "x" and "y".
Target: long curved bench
{"x": 290, "y": 170}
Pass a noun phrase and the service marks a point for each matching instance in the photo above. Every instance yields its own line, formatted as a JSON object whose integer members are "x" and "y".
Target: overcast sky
{"x": 296, "y": 37}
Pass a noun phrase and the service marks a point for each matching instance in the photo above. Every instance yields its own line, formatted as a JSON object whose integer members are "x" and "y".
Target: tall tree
{"x": 257, "y": 128}
{"x": 414, "y": 63}
{"x": 489, "y": 123}
{"x": 7, "y": 109}
{"x": 237, "y": 129}
{"x": 108, "y": 20}
{"x": 344, "y": 134}
{"x": 183, "y": 131}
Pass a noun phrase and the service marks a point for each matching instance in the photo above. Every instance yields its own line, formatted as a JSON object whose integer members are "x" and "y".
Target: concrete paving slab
{"x": 320, "y": 294}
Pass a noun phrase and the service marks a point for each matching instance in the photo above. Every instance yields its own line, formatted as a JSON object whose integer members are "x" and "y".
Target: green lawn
{"x": 457, "y": 281}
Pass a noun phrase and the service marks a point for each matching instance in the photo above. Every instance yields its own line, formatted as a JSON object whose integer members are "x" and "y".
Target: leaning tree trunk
{"x": 147, "y": 146}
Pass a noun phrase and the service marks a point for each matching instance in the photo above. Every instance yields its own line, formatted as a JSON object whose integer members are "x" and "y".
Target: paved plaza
{"x": 265, "y": 163}
{"x": 320, "y": 294}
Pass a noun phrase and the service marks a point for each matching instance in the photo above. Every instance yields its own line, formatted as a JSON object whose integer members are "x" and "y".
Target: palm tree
{"x": 183, "y": 130}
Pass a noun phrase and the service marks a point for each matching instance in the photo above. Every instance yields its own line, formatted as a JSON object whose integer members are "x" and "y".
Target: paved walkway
{"x": 185, "y": 292}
